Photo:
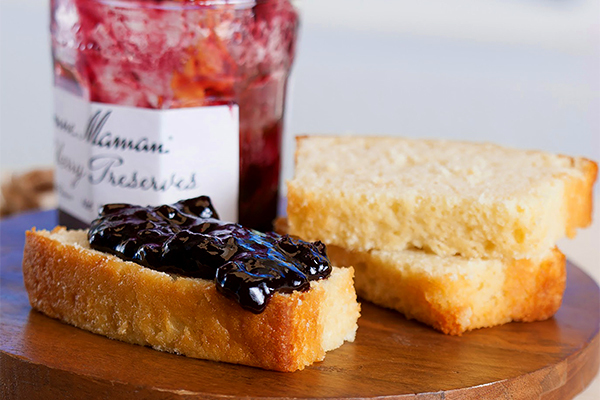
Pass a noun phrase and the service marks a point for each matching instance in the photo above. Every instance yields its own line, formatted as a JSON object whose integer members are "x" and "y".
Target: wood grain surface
{"x": 42, "y": 358}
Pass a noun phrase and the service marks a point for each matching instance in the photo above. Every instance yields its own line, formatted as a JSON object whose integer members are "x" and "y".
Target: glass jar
{"x": 156, "y": 101}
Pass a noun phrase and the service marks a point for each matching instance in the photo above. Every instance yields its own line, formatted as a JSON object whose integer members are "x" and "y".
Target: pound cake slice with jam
{"x": 449, "y": 198}
{"x": 179, "y": 280}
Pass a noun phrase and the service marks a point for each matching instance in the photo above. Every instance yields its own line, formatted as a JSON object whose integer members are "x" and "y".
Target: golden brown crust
{"x": 125, "y": 301}
{"x": 518, "y": 290}
{"x": 534, "y": 290}
{"x": 579, "y": 200}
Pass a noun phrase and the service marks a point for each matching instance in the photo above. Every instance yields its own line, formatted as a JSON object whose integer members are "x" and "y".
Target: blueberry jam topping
{"x": 188, "y": 239}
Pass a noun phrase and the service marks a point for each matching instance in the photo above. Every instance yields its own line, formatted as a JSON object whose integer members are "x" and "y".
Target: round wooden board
{"x": 42, "y": 358}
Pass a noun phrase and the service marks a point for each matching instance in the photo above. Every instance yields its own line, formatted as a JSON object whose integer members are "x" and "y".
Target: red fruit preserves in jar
{"x": 156, "y": 101}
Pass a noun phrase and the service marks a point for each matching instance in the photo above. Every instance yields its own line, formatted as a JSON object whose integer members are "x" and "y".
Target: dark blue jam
{"x": 188, "y": 239}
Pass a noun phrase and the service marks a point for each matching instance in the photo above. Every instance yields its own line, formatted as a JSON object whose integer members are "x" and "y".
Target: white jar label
{"x": 107, "y": 153}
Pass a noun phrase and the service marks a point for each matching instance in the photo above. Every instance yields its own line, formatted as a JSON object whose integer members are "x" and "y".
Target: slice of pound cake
{"x": 450, "y": 198}
{"x": 456, "y": 294}
{"x": 457, "y": 235}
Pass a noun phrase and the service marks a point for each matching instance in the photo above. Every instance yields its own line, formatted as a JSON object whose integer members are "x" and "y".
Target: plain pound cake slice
{"x": 476, "y": 200}
{"x": 67, "y": 280}
{"x": 455, "y": 294}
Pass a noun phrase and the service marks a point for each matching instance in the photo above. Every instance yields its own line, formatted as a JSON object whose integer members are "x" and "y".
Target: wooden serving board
{"x": 42, "y": 358}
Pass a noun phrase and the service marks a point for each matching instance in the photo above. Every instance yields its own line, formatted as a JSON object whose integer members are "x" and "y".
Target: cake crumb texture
{"x": 455, "y": 294}
{"x": 450, "y": 198}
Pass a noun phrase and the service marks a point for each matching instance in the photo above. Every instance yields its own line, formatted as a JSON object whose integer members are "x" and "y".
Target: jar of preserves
{"x": 160, "y": 100}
